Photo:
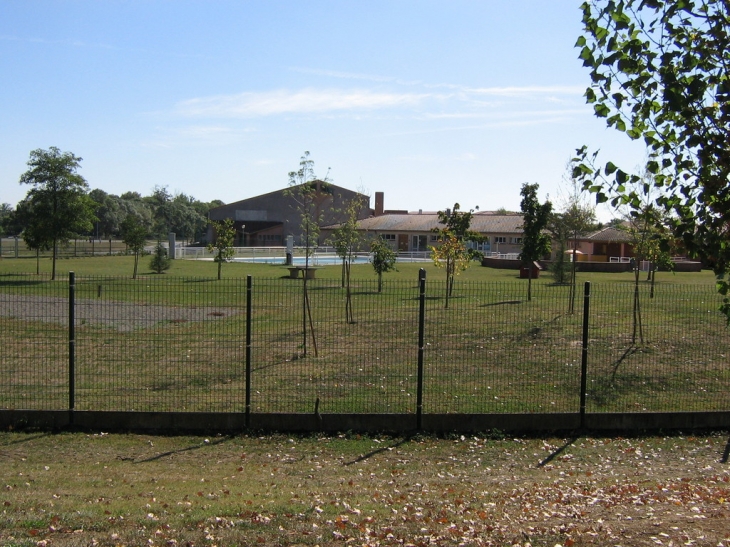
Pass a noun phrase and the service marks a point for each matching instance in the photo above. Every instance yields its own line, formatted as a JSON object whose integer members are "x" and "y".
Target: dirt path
{"x": 123, "y": 316}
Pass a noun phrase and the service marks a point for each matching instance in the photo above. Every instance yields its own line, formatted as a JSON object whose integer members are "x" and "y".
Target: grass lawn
{"x": 123, "y": 266}
{"x": 76, "y": 489}
{"x": 176, "y": 342}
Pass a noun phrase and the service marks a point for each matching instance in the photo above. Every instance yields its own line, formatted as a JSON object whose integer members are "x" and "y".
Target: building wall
{"x": 267, "y": 220}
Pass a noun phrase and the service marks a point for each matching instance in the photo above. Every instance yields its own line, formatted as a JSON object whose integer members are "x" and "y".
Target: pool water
{"x": 323, "y": 260}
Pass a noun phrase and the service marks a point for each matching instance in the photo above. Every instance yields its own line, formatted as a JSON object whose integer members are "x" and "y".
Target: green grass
{"x": 491, "y": 351}
{"x": 122, "y": 266}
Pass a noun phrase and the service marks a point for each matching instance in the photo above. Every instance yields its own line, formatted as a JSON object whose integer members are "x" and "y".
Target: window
{"x": 388, "y": 237}
{"x": 517, "y": 240}
{"x": 500, "y": 239}
{"x": 434, "y": 238}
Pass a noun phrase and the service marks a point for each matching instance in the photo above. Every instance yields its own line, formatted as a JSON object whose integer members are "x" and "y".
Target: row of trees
{"x": 59, "y": 207}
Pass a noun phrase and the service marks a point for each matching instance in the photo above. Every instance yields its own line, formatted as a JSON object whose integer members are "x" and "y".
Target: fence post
{"x": 249, "y": 284}
{"x": 421, "y": 329}
{"x": 584, "y": 353}
{"x": 71, "y": 345}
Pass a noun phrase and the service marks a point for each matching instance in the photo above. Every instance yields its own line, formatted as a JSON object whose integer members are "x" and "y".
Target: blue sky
{"x": 431, "y": 102}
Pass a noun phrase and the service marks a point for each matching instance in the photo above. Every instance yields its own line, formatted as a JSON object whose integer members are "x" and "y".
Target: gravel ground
{"x": 123, "y": 316}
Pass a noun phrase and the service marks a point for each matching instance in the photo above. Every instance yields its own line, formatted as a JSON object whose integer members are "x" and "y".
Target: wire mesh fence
{"x": 191, "y": 344}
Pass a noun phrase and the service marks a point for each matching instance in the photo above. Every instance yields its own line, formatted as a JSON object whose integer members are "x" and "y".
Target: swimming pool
{"x": 316, "y": 260}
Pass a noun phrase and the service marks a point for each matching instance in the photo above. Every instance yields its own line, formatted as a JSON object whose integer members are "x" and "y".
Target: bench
{"x": 294, "y": 271}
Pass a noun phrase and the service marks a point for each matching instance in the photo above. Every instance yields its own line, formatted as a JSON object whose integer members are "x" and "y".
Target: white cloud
{"x": 527, "y": 90}
{"x": 249, "y": 104}
{"x": 506, "y": 91}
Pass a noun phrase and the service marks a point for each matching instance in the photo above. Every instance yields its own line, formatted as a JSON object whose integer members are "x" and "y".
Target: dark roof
{"x": 610, "y": 234}
{"x": 331, "y": 189}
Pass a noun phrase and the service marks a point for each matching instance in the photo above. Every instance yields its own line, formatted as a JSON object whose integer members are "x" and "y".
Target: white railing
{"x": 414, "y": 256}
{"x": 621, "y": 259}
{"x": 255, "y": 254}
{"x": 324, "y": 255}
{"x": 504, "y": 256}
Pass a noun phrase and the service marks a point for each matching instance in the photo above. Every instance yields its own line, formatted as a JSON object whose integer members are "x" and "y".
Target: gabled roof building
{"x": 415, "y": 231}
{"x": 266, "y": 220}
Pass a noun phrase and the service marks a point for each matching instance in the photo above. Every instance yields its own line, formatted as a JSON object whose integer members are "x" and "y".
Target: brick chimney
{"x": 379, "y": 200}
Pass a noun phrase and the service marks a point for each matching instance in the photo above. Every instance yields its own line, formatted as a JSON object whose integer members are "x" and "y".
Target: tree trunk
{"x": 653, "y": 277}
{"x": 637, "y": 326}
{"x": 571, "y": 304}
{"x": 349, "y": 314}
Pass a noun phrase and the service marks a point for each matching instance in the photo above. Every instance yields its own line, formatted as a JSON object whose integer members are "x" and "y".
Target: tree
{"x": 575, "y": 218}
{"x": 649, "y": 240}
{"x": 347, "y": 240}
{"x": 383, "y": 260}
{"x": 452, "y": 252}
{"x": 535, "y": 217}
{"x": 222, "y": 246}
{"x": 109, "y": 212}
{"x": 308, "y": 192}
{"x": 659, "y": 72}
{"x": 6, "y": 214}
{"x": 132, "y": 203}
{"x": 19, "y": 219}
{"x": 60, "y": 206}
{"x": 558, "y": 228}
{"x": 160, "y": 261}
{"x": 134, "y": 234}
{"x": 189, "y": 216}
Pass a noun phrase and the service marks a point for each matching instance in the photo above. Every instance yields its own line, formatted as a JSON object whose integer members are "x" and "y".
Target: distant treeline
{"x": 160, "y": 212}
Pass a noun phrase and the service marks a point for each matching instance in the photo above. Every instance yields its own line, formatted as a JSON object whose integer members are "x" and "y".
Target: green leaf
{"x": 601, "y": 110}
{"x": 587, "y": 55}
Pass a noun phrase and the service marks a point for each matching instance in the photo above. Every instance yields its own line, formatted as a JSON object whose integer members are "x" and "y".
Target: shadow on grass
{"x": 188, "y": 449}
{"x": 558, "y": 452}
{"x": 27, "y": 439}
{"x": 379, "y": 451}
{"x": 503, "y": 303}
{"x": 629, "y": 351}
{"x": 726, "y": 453}
{"x": 609, "y": 391}
{"x": 21, "y": 283}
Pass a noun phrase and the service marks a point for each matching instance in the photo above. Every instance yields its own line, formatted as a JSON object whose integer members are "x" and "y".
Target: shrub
{"x": 160, "y": 261}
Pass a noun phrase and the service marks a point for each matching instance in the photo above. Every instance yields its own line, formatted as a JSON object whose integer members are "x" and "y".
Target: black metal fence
{"x": 15, "y": 247}
{"x": 259, "y": 346}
